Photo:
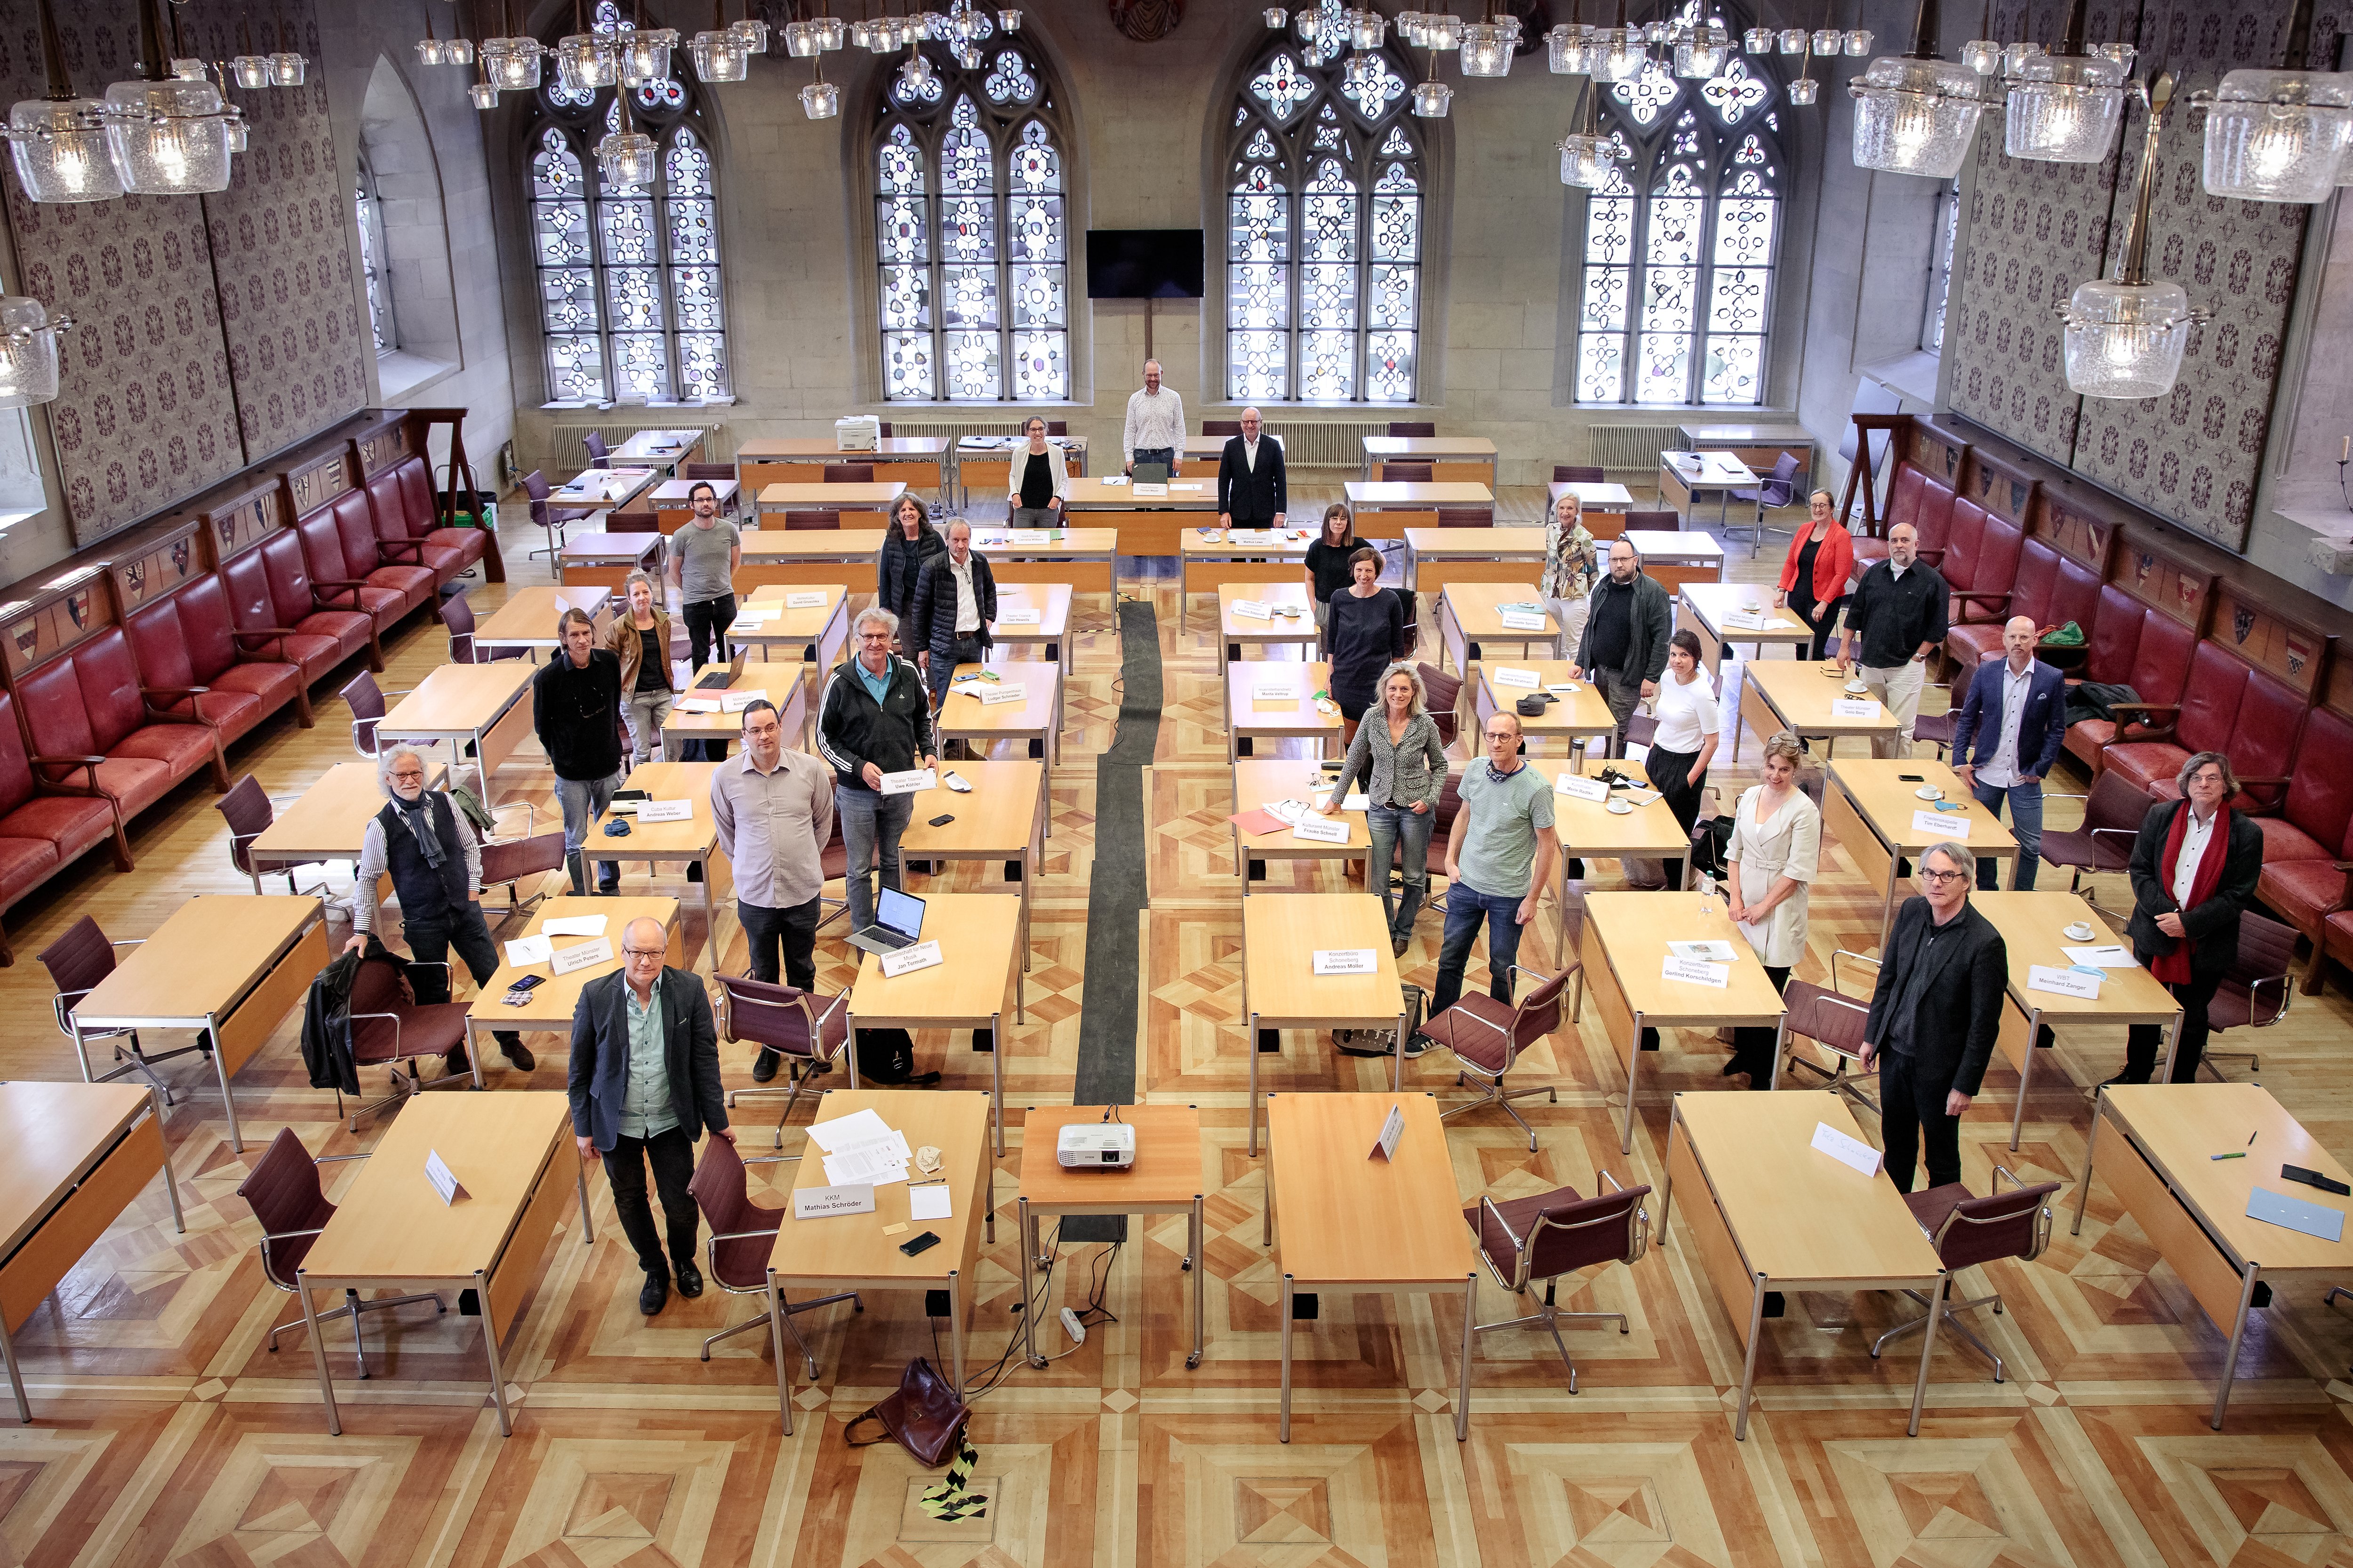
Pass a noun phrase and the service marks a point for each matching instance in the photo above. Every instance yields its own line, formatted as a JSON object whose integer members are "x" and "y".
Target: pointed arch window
{"x": 630, "y": 299}
{"x": 972, "y": 229}
{"x": 1680, "y": 245}
{"x": 1324, "y": 232}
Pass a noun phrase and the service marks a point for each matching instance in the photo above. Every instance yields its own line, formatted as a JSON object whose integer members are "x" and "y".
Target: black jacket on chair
{"x": 1252, "y": 496}
{"x": 931, "y": 624}
{"x": 1960, "y": 1009}
{"x": 599, "y": 1079}
{"x": 2213, "y": 925}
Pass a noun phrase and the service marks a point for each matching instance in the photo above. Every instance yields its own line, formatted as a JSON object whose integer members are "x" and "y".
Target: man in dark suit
{"x": 1252, "y": 490}
{"x": 2015, "y": 712}
{"x": 1934, "y": 1016}
{"x": 644, "y": 1085}
{"x": 2190, "y": 883}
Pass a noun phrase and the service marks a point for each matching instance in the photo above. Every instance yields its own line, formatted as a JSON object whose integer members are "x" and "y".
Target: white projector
{"x": 1097, "y": 1145}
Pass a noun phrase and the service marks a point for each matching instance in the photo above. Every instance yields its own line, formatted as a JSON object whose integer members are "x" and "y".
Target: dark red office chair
{"x": 1569, "y": 474}
{"x": 1556, "y": 1233}
{"x": 247, "y": 810}
{"x": 1405, "y": 473}
{"x": 1966, "y": 1231}
{"x": 2254, "y": 990}
{"x": 807, "y": 1029}
{"x": 2112, "y": 818}
{"x": 850, "y": 473}
{"x": 1487, "y": 1037}
{"x": 1834, "y": 1023}
{"x": 743, "y": 1235}
{"x": 77, "y": 962}
{"x": 390, "y": 1027}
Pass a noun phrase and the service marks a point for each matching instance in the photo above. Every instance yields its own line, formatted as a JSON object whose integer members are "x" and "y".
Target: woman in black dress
{"x": 1364, "y": 634}
{"x": 1327, "y": 559}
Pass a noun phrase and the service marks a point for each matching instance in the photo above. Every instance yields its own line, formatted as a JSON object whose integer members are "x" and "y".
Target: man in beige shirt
{"x": 775, "y": 812}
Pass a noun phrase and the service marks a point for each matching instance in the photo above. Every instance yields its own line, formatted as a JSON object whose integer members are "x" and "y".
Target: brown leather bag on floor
{"x": 925, "y": 1415}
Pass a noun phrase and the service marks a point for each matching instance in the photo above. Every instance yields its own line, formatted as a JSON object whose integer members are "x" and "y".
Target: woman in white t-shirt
{"x": 1680, "y": 751}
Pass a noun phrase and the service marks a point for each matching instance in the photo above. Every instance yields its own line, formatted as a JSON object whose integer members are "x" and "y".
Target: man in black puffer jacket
{"x": 873, "y": 719}
{"x": 955, "y": 603}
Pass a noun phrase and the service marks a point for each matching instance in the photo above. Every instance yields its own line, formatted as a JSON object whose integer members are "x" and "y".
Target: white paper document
{"x": 1578, "y": 787}
{"x": 1854, "y": 708}
{"x": 1020, "y": 619}
{"x": 1845, "y": 1149}
{"x": 910, "y": 780}
{"x": 858, "y": 1127}
{"x": 1521, "y": 621}
{"x": 1942, "y": 823}
{"x": 1321, "y": 829}
{"x": 932, "y": 1201}
{"x": 1190, "y": 486}
{"x": 575, "y": 925}
{"x": 1505, "y": 675}
{"x": 812, "y": 600}
{"x": 1359, "y": 801}
{"x": 907, "y": 959}
{"x": 2110, "y": 957}
{"x": 1693, "y": 972}
{"x": 1707, "y": 952}
{"x": 870, "y": 1163}
{"x": 585, "y": 955}
{"x": 1345, "y": 960}
{"x": 666, "y": 811}
{"x": 698, "y": 705}
{"x": 747, "y": 623}
{"x": 524, "y": 952}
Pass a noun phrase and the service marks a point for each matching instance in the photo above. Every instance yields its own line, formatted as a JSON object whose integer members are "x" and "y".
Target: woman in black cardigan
{"x": 910, "y": 541}
{"x": 2194, "y": 866}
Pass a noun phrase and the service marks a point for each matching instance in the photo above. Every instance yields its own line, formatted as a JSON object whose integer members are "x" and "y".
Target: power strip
{"x": 1072, "y": 1327}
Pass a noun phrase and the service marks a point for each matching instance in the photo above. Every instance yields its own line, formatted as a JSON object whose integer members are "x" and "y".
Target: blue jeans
{"x": 1156, "y": 455}
{"x": 2025, "y": 825}
{"x": 583, "y": 800}
{"x": 1395, "y": 828}
{"x": 870, "y": 821}
{"x": 1466, "y": 906}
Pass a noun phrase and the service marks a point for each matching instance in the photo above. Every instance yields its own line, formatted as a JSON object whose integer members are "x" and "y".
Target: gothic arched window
{"x": 1680, "y": 245}
{"x": 972, "y": 228}
{"x": 1323, "y": 233}
{"x": 628, "y": 276}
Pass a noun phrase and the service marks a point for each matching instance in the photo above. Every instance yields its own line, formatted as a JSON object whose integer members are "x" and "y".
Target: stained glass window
{"x": 1677, "y": 291}
{"x": 1323, "y": 228}
{"x": 972, "y": 234}
{"x": 631, "y": 296}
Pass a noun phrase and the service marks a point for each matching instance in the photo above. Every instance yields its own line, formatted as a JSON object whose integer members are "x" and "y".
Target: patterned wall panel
{"x": 144, "y": 415}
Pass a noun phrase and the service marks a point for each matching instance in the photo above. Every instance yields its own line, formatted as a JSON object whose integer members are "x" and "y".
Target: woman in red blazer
{"x": 1814, "y": 577}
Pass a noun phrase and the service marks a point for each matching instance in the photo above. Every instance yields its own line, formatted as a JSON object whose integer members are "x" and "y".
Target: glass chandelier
{"x": 2064, "y": 106}
{"x": 642, "y": 54}
{"x": 28, "y": 350}
{"x": 1572, "y": 47}
{"x": 167, "y": 136}
{"x": 1915, "y": 115}
{"x": 510, "y": 63}
{"x": 753, "y": 31}
{"x": 1586, "y": 156}
{"x": 59, "y": 142}
{"x": 1487, "y": 49}
{"x": 723, "y": 54}
{"x": 584, "y": 60}
{"x": 2280, "y": 135}
{"x": 2124, "y": 336}
{"x": 625, "y": 156}
{"x": 287, "y": 68}
{"x": 1805, "y": 92}
{"x": 1277, "y": 18}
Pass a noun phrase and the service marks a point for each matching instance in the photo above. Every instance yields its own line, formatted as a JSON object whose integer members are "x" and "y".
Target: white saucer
{"x": 1620, "y": 807}
{"x": 1929, "y": 792}
{"x": 1857, "y": 689}
{"x": 2077, "y": 932}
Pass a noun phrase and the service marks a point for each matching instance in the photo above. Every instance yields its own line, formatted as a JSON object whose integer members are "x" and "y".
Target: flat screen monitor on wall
{"x": 1144, "y": 264}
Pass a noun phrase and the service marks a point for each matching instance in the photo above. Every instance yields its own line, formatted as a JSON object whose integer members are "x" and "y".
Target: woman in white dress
{"x": 1777, "y": 841}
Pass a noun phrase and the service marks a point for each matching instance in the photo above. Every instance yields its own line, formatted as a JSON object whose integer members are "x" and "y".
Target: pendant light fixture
{"x": 1805, "y": 92}
{"x": 642, "y": 54}
{"x": 428, "y": 48}
{"x": 1915, "y": 113}
{"x": 2124, "y": 336}
{"x": 28, "y": 350}
{"x": 2280, "y": 135}
{"x": 251, "y": 70}
{"x": 1277, "y": 18}
{"x": 751, "y": 30}
{"x": 510, "y": 63}
{"x": 287, "y": 66}
{"x": 1702, "y": 49}
{"x": 585, "y": 60}
{"x": 1432, "y": 96}
{"x": 59, "y": 141}
{"x": 1487, "y": 48}
{"x": 625, "y": 156}
{"x": 168, "y": 136}
{"x": 1586, "y": 155}
{"x": 722, "y": 54}
{"x": 1570, "y": 48}
{"x": 1619, "y": 52}
{"x": 2064, "y": 106}
{"x": 1981, "y": 53}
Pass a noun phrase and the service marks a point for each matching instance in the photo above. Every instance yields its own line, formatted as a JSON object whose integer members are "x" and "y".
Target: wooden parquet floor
{"x": 167, "y": 1434}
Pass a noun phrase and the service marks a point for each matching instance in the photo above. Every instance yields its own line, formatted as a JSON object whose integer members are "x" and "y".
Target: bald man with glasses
{"x": 1253, "y": 489}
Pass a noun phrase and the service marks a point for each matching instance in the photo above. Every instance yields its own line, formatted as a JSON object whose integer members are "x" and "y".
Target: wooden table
{"x": 486, "y": 707}
{"x": 2031, "y": 924}
{"x": 1671, "y": 560}
{"x": 1604, "y": 499}
{"x": 78, "y": 1154}
{"x": 611, "y": 488}
{"x": 1770, "y": 1215}
{"x": 1087, "y": 559}
{"x": 1037, "y": 718}
{"x": 1251, "y": 718}
{"x": 1684, "y": 476}
{"x": 549, "y": 1007}
{"x": 1794, "y": 694}
{"x": 663, "y": 450}
{"x": 1297, "y": 630}
{"x": 331, "y": 819}
{"x": 605, "y": 559}
{"x": 1465, "y": 459}
{"x": 850, "y": 1252}
{"x": 915, "y": 461}
{"x": 786, "y": 686}
{"x": 514, "y": 1155}
{"x": 811, "y": 557}
{"x": 1471, "y": 612}
{"x": 1435, "y": 557}
{"x": 857, "y": 506}
{"x": 1578, "y": 717}
{"x": 976, "y": 933}
{"x": 1705, "y": 607}
{"x": 1759, "y": 447}
{"x": 1869, "y": 808}
{"x": 1144, "y": 524}
{"x": 694, "y": 842}
{"x": 1260, "y": 780}
{"x": 985, "y": 462}
{"x": 230, "y": 964}
{"x": 1588, "y": 828}
{"x": 1281, "y": 989}
{"x": 815, "y": 634}
{"x": 1207, "y": 558}
{"x": 1046, "y": 635}
{"x": 528, "y": 618}
{"x": 2192, "y": 1207}
{"x": 1385, "y": 510}
{"x": 674, "y": 500}
{"x": 1004, "y": 818}
{"x": 1348, "y": 1222}
{"x": 1171, "y": 1176}
{"x": 1624, "y": 943}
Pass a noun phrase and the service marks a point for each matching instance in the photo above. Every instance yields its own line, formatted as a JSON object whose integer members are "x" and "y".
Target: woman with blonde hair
{"x": 639, "y": 638}
{"x": 1571, "y": 569}
{"x": 1402, "y": 762}
{"x": 1776, "y": 848}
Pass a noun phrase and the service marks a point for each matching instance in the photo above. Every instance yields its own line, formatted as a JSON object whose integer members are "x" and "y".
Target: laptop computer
{"x": 898, "y": 922}
{"x": 1151, "y": 473}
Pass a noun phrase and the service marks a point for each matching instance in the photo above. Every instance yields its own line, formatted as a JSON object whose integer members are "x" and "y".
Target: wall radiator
{"x": 1632, "y": 448}
{"x": 568, "y": 448}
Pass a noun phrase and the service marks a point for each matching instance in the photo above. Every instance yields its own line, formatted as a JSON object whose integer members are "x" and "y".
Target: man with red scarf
{"x": 2194, "y": 865}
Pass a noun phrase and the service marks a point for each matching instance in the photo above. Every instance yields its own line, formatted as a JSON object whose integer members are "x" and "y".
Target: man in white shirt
{"x": 1155, "y": 432}
{"x": 1253, "y": 491}
{"x": 2016, "y": 715}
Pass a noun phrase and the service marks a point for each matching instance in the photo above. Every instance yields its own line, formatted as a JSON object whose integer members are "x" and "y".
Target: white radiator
{"x": 1630, "y": 448}
{"x": 1326, "y": 444}
{"x": 568, "y": 443}
{"x": 957, "y": 431}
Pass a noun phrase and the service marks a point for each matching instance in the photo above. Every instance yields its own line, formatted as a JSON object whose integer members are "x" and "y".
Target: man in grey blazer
{"x": 644, "y": 1085}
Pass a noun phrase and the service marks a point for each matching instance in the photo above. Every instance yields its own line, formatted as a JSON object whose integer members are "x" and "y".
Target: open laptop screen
{"x": 902, "y": 912}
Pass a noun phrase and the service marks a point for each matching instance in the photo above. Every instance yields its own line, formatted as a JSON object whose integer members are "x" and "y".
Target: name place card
{"x": 823, "y": 1202}
{"x": 909, "y": 780}
{"x": 1525, "y": 679}
{"x": 585, "y": 955}
{"x": 1521, "y": 621}
{"x": 1320, "y": 829}
{"x": 1020, "y": 618}
{"x": 907, "y": 959}
{"x": 1696, "y": 972}
{"x": 1578, "y": 787}
{"x": 2062, "y": 981}
{"x": 814, "y": 600}
{"x": 1253, "y": 610}
{"x": 1392, "y": 1130}
{"x": 1846, "y": 1149}
{"x": 997, "y": 693}
{"x": 1345, "y": 960}
{"x": 1941, "y": 824}
{"x": 1854, "y": 708}
{"x": 666, "y": 811}
{"x": 736, "y": 701}
{"x": 444, "y": 1182}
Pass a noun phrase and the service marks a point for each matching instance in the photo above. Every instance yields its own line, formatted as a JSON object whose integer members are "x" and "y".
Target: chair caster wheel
{"x": 1185, "y": 1267}
{"x": 1192, "y": 1361}
{"x": 366, "y": 1376}
{"x": 1874, "y": 1354}
{"x": 1038, "y": 1361}
{"x": 1997, "y": 1309}
{"x": 706, "y": 1358}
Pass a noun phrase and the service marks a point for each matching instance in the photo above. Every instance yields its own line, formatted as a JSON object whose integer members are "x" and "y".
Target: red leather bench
{"x": 342, "y": 579}
{"x": 2136, "y": 645}
{"x": 402, "y": 495}
{"x": 1980, "y": 559}
{"x": 2309, "y": 841}
{"x": 2050, "y": 589}
{"x": 295, "y": 604}
{"x": 86, "y": 709}
{"x": 45, "y": 825}
{"x": 2226, "y": 706}
{"x": 187, "y": 639}
{"x": 1915, "y": 497}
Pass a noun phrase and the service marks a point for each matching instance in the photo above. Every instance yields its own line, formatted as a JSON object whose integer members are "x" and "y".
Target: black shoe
{"x": 656, "y": 1294}
{"x": 690, "y": 1280}
{"x": 516, "y": 1051}
{"x": 457, "y": 1062}
{"x": 763, "y": 1067}
{"x": 1649, "y": 1039}
{"x": 1418, "y": 1044}
{"x": 1397, "y": 944}
{"x": 610, "y": 889}
{"x": 2126, "y": 1076}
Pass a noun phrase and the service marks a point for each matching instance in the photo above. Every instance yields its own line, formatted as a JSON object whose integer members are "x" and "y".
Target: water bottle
{"x": 1706, "y": 896}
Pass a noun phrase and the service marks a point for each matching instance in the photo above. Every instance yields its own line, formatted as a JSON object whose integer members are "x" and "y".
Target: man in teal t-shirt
{"x": 1498, "y": 859}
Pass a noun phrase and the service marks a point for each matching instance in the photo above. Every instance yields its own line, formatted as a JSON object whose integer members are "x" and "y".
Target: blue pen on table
{"x": 2237, "y": 1153}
